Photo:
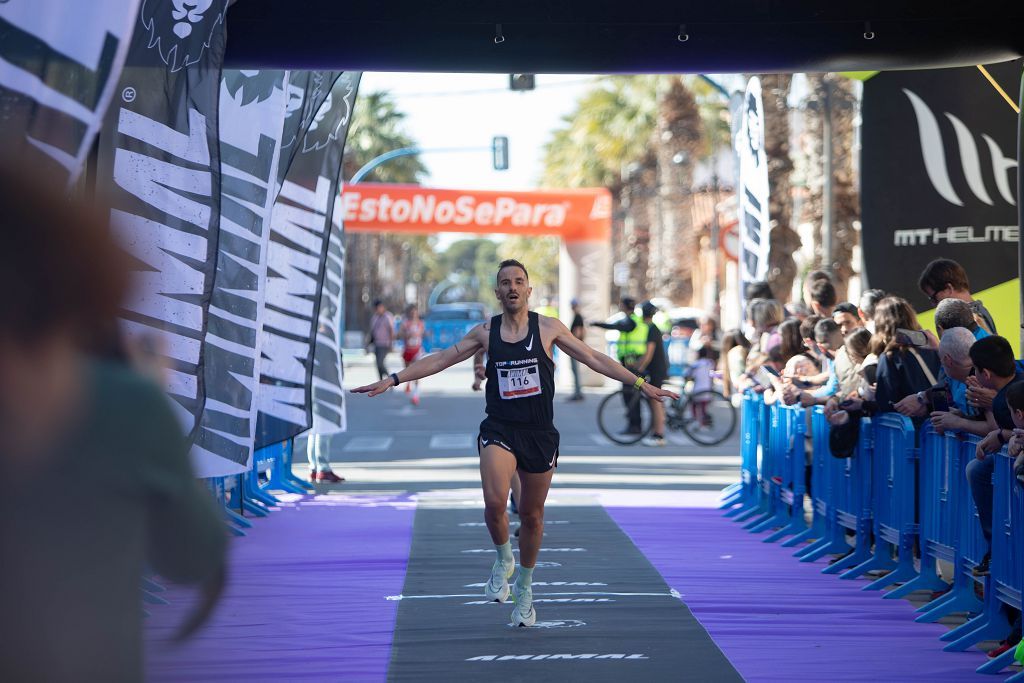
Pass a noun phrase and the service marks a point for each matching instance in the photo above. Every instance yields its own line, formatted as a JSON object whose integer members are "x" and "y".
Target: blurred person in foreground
{"x": 97, "y": 481}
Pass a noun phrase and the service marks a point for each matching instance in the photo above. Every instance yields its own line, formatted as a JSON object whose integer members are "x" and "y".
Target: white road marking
{"x": 543, "y": 550}
{"x": 369, "y": 443}
{"x": 601, "y": 440}
{"x": 671, "y": 594}
{"x": 461, "y": 442}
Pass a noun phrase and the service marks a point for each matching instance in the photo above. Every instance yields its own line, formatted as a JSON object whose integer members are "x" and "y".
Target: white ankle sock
{"x": 505, "y": 552}
{"x": 525, "y": 578}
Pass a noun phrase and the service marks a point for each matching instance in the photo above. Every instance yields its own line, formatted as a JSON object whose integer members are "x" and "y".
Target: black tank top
{"x": 520, "y": 378}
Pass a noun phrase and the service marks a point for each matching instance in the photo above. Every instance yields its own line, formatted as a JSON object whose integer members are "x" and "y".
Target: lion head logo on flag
{"x": 181, "y": 29}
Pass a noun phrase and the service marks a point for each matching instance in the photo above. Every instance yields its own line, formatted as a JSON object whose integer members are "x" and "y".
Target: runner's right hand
{"x": 376, "y": 388}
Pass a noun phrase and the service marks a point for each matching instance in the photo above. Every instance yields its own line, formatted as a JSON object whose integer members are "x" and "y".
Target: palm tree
{"x": 783, "y": 239}
{"x": 841, "y": 103}
{"x": 678, "y": 142}
{"x": 605, "y": 143}
{"x": 376, "y": 265}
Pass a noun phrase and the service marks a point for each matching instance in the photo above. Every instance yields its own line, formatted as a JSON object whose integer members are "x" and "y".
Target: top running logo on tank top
{"x": 520, "y": 381}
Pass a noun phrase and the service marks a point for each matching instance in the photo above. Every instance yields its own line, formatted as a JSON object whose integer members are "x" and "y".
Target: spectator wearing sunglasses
{"x": 946, "y": 279}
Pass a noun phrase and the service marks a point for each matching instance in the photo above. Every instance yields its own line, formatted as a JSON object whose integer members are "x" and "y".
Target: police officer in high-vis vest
{"x": 631, "y": 347}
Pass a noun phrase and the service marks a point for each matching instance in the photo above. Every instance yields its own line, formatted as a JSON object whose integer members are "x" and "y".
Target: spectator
{"x": 795, "y": 355}
{"x": 856, "y": 345}
{"x": 797, "y": 309}
{"x": 766, "y": 315}
{"x": 823, "y": 297}
{"x": 706, "y": 335}
{"x": 845, "y": 315}
{"x": 578, "y": 330}
{"x": 829, "y": 340}
{"x": 735, "y": 346}
{"x": 952, "y": 313}
{"x": 955, "y": 355}
{"x": 381, "y": 335}
{"x": 902, "y": 369}
{"x": 995, "y": 370}
{"x": 700, "y": 373}
{"x": 866, "y": 310}
{"x": 946, "y": 279}
{"x": 812, "y": 277}
{"x": 97, "y": 480}
{"x": 654, "y": 366}
{"x": 992, "y": 358}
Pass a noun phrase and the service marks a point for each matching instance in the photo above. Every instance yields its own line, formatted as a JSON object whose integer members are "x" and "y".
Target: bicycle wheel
{"x": 613, "y": 417}
{"x": 708, "y": 417}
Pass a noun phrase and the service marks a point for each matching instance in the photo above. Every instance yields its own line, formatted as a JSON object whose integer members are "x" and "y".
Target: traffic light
{"x": 521, "y": 81}
{"x": 499, "y": 148}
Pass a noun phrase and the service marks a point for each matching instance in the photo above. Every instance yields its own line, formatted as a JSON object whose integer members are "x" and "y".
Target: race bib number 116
{"x": 519, "y": 382}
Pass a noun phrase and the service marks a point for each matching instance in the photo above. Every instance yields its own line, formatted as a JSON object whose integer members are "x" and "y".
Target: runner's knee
{"x": 532, "y": 519}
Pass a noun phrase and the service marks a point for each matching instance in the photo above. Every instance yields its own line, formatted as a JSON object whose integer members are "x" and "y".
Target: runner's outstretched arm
{"x": 599, "y": 362}
{"x": 432, "y": 364}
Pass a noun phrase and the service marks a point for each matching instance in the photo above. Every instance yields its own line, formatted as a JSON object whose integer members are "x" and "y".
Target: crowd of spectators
{"x": 873, "y": 357}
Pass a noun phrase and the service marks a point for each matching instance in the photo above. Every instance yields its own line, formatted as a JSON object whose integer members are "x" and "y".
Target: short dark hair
{"x": 377, "y": 302}
{"x": 824, "y": 329}
{"x": 1015, "y": 396}
{"x": 870, "y": 299}
{"x": 994, "y": 354}
{"x": 758, "y": 290}
{"x": 511, "y": 262}
{"x": 816, "y": 275}
{"x": 941, "y": 272}
{"x": 952, "y": 313}
{"x": 845, "y": 307}
{"x": 823, "y": 292}
{"x": 807, "y": 326}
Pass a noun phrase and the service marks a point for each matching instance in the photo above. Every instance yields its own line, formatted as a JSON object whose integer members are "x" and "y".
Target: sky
{"x": 468, "y": 110}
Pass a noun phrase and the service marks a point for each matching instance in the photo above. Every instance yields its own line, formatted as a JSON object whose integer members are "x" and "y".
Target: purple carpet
{"x": 305, "y": 598}
{"x": 777, "y": 619}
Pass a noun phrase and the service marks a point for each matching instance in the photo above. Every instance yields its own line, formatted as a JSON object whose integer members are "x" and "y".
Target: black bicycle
{"x": 707, "y": 417}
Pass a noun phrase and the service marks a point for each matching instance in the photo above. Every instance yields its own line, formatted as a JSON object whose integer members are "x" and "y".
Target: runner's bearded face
{"x": 513, "y": 289}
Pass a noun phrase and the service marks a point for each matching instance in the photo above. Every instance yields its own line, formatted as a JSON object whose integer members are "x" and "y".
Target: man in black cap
{"x": 654, "y": 366}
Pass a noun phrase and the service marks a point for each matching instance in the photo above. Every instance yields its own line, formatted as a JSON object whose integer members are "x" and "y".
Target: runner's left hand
{"x": 376, "y": 388}
{"x": 660, "y": 394}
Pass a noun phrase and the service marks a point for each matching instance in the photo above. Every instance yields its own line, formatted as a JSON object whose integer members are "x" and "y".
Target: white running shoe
{"x": 653, "y": 441}
{"x": 497, "y": 588}
{"x": 523, "y": 614}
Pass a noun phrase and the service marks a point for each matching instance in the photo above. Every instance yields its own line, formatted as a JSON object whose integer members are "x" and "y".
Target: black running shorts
{"x": 536, "y": 450}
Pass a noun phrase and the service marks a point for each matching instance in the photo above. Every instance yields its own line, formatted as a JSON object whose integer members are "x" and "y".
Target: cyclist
{"x": 631, "y": 347}
{"x": 654, "y": 365}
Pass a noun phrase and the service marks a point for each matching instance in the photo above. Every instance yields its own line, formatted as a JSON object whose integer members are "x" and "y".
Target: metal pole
{"x": 716, "y": 291}
{"x": 826, "y": 189}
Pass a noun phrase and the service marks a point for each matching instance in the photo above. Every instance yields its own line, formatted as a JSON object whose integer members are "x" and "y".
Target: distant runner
{"x": 411, "y": 333}
{"x": 519, "y": 432}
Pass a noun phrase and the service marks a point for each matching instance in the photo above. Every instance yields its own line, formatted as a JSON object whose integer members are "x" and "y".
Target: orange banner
{"x": 571, "y": 214}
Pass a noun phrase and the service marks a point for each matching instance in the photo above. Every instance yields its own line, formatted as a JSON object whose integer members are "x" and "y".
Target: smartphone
{"x": 763, "y": 377}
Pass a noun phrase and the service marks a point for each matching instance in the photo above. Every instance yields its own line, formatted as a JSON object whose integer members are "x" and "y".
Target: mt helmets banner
{"x": 307, "y": 91}
{"x": 753, "y": 188}
{"x": 59, "y": 67}
{"x": 252, "y": 106}
{"x": 159, "y": 162}
{"x": 939, "y": 178}
{"x": 300, "y": 232}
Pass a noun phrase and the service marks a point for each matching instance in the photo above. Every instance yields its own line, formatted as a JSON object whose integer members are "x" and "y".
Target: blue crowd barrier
{"x": 892, "y": 497}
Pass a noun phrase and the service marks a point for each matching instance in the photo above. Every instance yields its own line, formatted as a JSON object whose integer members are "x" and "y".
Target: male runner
{"x": 411, "y": 333}
{"x": 519, "y": 432}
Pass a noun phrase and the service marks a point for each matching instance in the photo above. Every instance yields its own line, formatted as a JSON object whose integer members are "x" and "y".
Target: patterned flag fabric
{"x": 59, "y": 68}
{"x": 298, "y": 258}
{"x": 159, "y": 163}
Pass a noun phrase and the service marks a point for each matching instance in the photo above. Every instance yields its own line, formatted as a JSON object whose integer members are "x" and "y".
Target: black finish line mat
{"x": 603, "y": 612}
